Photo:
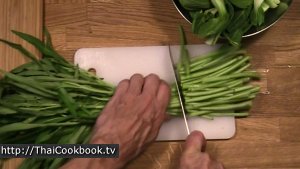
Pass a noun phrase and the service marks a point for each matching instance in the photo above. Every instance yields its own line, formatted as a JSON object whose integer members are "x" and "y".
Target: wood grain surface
{"x": 269, "y": 138}
{"x": 20, "y": 15}
{"x": 24, "y": 16}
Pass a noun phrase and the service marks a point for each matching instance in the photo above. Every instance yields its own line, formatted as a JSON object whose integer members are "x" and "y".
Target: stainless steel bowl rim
{"x": 176, "y": 4}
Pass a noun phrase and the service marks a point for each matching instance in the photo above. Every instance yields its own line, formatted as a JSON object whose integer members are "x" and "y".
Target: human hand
{"x": 194, "y": 155}
{"x": 132, "y": 119}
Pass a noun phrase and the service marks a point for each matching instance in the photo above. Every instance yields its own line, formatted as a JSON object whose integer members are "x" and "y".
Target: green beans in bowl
{"x": 231, "y": 19}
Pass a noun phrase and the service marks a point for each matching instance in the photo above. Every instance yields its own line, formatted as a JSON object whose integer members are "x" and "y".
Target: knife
{"x": 179, "y": 90}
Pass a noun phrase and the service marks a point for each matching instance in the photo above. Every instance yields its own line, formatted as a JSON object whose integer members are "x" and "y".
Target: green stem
{"x": 237, "y": 106}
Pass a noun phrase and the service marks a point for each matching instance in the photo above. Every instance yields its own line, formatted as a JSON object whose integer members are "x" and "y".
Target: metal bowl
{"x": 269, "y": 21}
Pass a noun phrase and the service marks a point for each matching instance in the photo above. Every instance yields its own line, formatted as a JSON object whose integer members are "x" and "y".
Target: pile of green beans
{"x": 48, "y": 101}
{"x": 51, "y": 101}
{"x": 215, "y": 84}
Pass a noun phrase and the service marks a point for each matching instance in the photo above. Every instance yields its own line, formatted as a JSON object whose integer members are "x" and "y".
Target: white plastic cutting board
{"x": 118, "y": 63}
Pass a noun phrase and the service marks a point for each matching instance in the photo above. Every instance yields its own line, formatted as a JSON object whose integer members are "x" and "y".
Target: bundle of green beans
{"x": 50, "y": 101}
{"x": 215, "y": 84}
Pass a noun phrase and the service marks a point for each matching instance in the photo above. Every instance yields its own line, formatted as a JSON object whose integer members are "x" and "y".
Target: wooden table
{"x": 269, "y": 138}
{"x": 25, "y": 16}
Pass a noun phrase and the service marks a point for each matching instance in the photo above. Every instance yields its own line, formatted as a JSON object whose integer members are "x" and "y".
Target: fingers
{"x": 122, "y": 88}
{"x": 151, "y": 85}
{"x": 163, "y": 95}
{"x": 193, "y": 155}
{"x": 163, "y": 98}
{"x": 136, "y": 84}
{"x": 195, "y": 143}
{"x": 119, "y": 92}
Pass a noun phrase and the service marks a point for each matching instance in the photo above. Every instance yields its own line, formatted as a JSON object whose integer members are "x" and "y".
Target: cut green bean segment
{"x": 197, "y": 87}
{"x": 217, "y": 85}
{"x": 238, "y": 114}
{"x": 208, "y": 92}
{"x": 193, "y": 112}
{"x": 232, "y": 76}
{"x": 237, "y": 106}
{"x": 209, "y": 71}
{"x": 230, "y": 68}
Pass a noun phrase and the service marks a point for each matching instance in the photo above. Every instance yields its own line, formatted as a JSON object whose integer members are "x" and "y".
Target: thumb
{"x": 194, "y": 143}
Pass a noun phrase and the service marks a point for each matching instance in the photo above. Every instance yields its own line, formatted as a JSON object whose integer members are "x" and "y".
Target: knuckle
{"x": 153, "y": 76}
{"x": 124, "y": 82}
{"x": 137, "y": 76}
{"x": 147, "y": 98}
{"x": 165, "y": 88}
{"x": 127, "y": 99}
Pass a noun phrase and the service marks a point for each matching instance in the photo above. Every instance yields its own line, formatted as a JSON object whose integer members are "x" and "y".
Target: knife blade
{"x": 179, "y": 90}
